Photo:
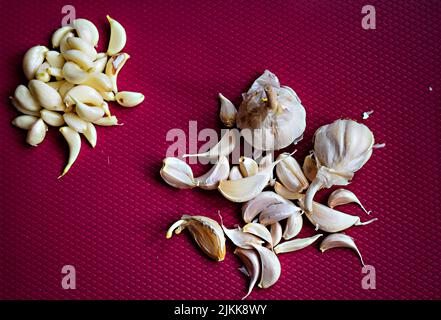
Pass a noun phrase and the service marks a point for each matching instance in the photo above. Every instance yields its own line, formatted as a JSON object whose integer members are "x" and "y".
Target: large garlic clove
{"x": 59, "y": 34}
{"x": 80, "y": 58}
{"x": 235, "y": 173}
{"x": 205, "y": 231}
{"x": 36, "y": 133}
{"x": 218, "y": 172}
{"x": 114, "y": 66}
{"x": 74, "y": 141}
{"x": 277, "y": 212}
{"x": 224, "y": 147}
{"x": 252, "y": 208}
{"x": 343, "y": 196}
{"x": 73, "y": 73}
{"x": 276, "y": 233}
{"x": 63, "y": 43}
{"x": 47, "y": 96}
{"x": 118, "y": 37}
{"x": 87, "y": 31}
{"x": 252, "y": 263}
{"x": 23, "y": 110}
{"x": 291, "y": 175}
{"x": 259, "y": 230}
{"x": 285, "y": 193}
{"x": 24, "y": 122}
{"x": 75, "y": 122}
{"x": 270, "y": 264}
{"x": 84, "y": 94}
{"x": 52, "y": 118}
{"x": 228, "y": 112}
{"x": 296, "y": 244}
{"x": 273, "y": 114}
{"x": 294, "y": 225}
{"x": 82, "y": 45}
{"x": 55, "y": 59}
{"x": 32, "y": 60}
{"x": 330, "y": 220}
{"x": 88, "y": 113}
{"x": 248, "y": 167}
{"x": 129, "y": 99}
{"x": 91, "y": 134}
{"x": 24, "y": 97}
{"x": 340, "y": 149}
{"x": 310, "y": 167}
{"x": 241, "y": 239}
{"x": 340, "y": 240}
{"x": 98, "y": 81}
{"x": 100, "y": 63}
{"x": 177, "y": 173}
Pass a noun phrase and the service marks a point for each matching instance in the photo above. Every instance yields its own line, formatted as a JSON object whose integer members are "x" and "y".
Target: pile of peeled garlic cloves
{"x": 274, "y": 219}
{"x": 71, "y": 84}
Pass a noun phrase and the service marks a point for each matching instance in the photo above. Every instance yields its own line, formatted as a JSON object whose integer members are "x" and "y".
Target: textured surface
{"x": 108, "y": 216}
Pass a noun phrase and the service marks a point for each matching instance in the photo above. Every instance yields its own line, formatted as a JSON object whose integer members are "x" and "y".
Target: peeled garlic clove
{"x": 218, "y": 172}
{"x": 252, "y": 208}
{"x": 271, "y": 268}
{"x": 285, "y": 193}
{"x": 100, "y": 64}
{"x": 248, "y": 167}
{"x": 251, "y": 261}
{"x": 108, "y": 96}
{"x": 91, "y": 134}
{"x": 277, "y": 212}
{"x": 52, "y": 118}
{"x": 118, "y": 37}
{"x": 107, "y": 121}
{"x": 73, "y": 73}
{"x": 59, "y": 34}
{"x": 343, "y": 196}
{"x": 258, "y": 230}
{"x": 224, "y": 147}
{"x": 330, "y": 220}
{"x": 276, "y": 233}
{"x": 32, "y": 60}
{"x": 88, "y": 113}
{"x": 55, "y": 59}
{"x": 75, "y": 122}
{"x": 294, "y": 225}
{"x": 24, "y": 122}
{"x": 310, "y": 167}
{"x": 82, "y": 45}
{"x": 177, "y": 173}
{"x": 56, "y": 84}
{"x": 98, "y": 81}
{"x": 23, "y": 110}
{"x": 340, "y": 240}
{"x": 36, "y": 133}
{"x": 228, "y": 112}
{"x": 84, "y": 94}
{"x": 114, "y": 66}
{"x": 296, "y": 244}
{"x": 241, "y": 239}
{"x": 55, "y": 72}
{"x": 291, "y": 175}
{"x": 105, "y": 107}
{"x": 42, "y": 73}
{"x": 74, "y": 141}
{"x": 47, "y": 96}
{"x": 206, "y": 232}
{"x": 129, "y": 99}
{"x": 80, "y": 58}
{"x": 340, "y": 149}
{"x": 24, "y": 97}
{"x": 86, "y": 30}
{"x": 235, "y": 173}
{"x": 65, "y": 88}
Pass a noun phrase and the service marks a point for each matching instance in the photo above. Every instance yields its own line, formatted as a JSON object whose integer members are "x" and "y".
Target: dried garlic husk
{"x": 258, "y": 230}
{"x": 296, "y": 244}
{"x": 310, "y": 167}
{"x": 343, "y": 196}
{"x": 177, "y": 173}
{"x": 291, "y": 175}
{"x": 340, "y": 240}
{"x": 224, "y": 147}
{"x": 228, "y": 112}
{"x": 340, "y": 149}
{"x": 248, "y": 167}
{"x": 273, "y": 113}
{"x": 218, "y": 172}
{"x": 271, "y": 268}
{"x": 252, "y": 208}
{"x": 251, "y": 262}
{"x": 205, "y": 231}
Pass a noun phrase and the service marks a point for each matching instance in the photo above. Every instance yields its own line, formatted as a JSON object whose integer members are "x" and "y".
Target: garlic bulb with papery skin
{"x": 273, "y": 114}
{"x": 340, "y": 149}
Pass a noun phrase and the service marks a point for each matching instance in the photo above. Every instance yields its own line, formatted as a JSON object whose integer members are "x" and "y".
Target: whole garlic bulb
{"x": 340, "y": 148}
{"x": 273, "y": 114}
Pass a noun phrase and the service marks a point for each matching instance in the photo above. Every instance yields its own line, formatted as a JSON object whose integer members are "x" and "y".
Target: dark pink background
{"x": 109, "y": 215}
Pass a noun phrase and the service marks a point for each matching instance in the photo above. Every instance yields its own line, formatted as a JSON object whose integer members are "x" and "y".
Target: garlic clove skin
{"x": 32, "y": 60}
{"x": 285, "y": 193}
{"x": 259, "y": 230}
{"x": 343, "y": 196}
{"x": 310, "y": 167}
{"x": 291, "y": 175}
{"x": 235, "y": 173}
{"x": 224, "y": 147}
{"x": 248, "y": 167}
{"x": 52, "y": 118}
{"x": 74, "y": 141}
{"x": 296, "y": 244}
{"x": 251, "y": 261}
{"x": 59, "y": 34}
{"x": 118, "y": 37}
{"x": 129, "y": 99}
{"x": 254, "y": 207}
{"x": 218, "y": 172}
{"x": 47, "y": 96}
{"x": 24, "y": 97}
{"x": 177, "y": 173}
{"x": 242, "y": 239}
{"x": 87, "y": 31}
{"x": 36, "y": 133}
{"x": 277, "y": 212}
{"x": 294, "y": 225}
{"x": 24, "y": 122}
{"x": 340, "y": 240}
{"x": 228, "y": 112}
{"x": 270, "y": 266}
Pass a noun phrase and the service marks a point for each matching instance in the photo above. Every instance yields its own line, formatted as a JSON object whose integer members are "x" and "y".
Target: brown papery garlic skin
{"x": 340, "y": 149}
{"x": 273, "y": 114}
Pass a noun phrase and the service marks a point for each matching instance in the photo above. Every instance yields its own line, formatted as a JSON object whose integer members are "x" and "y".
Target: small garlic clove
{"x": 82, "y": 45}
{"x": 228, "y": 112}
{"x": 105, "y": 107}
{"x": 205, "y": 231}
{"x": 36, "y": 133}
{"x": 80, "y": 58}
{"x": 264, "y": 163}
{"x": 118, "y": 37}
{"x": 55, "y": 59}
{"x": 276, "y": 233}
{"x": 65, "y": 88}
{"x": 100, "y": 63}
{"x": 258, "y": 230}
{"x": 91, "y": 134}
{"x": 88, "y": 113}
{"x": 87, "y": 31}
{"x": 343, "y": 196}
{"x": 52, "y": 118}
{"x": 23, "y": 110}
{"x": 310, "y": 167}
{"x": 294, "y": 225}
{"x": 24, "y": 122}
{"x": 224, "y": 147}
{"x": 291, "y": 175}
{"x": 340, "y": 240}
{"x": 75, "y": 122}
{"x": 177, "y": 173}
{"x": 108, "y": 96}
{"x": 252, "y": 208}
{"x": 24, "y": 97}
{"x": 55, "y": 72}
{"x": 129, "y": 99}
{"x": 251, "y": 261}
{"x": 84, "y": 94}
{"x": 74, "y": 141}
{"x": 277, "y": 212}
{"x": 59, "y": 34}
{"x": 107, "y": 121}
{"x": 248, "y": 167}
{"x": 241, "y": 239}
{"x": 296, "y": 244}
{"x": 42, "y": 72}
{"x": 270, "y": 265}
{"x": 285, "y": 193}
{"x": 98, "y": 81}
{"x": 47, "y": 96}
{"x": 114, "y": 66}
{"x": 63, "y": 43}
{"x": 235, "y": 173}
{"x": 73, "y": 73}
{"x": 32, "y": 60}
{"x": 218, "y": 172}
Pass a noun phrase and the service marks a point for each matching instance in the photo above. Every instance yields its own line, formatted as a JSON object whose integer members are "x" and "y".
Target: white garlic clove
{"x": 228, "y": 112}
{"x": 24, "y": 122}
{"x": 343, "y": 196}
{"x": 73, "y": 73}
{"x": 91, "y": 134}
{"x": 42, "y": 72}
{"x": 55, "y": 72}
{"x": 118, "y": 37}
{"x": 36, "y": 133}
{"x": 177, "y": 173}
{"x": 88, "y": 113}
{"x": 86, "y": 30}
{"x": 259, "y": 230}
{"x": 252, "y": 208}
{"x": 218, "y": 172}
{"x": 310, "y": 167}
{"x": 129, "y": 99}
{"x": 65, "y": 88}
{"x": 248, "y": 167}
{"x": 264, "y": 163}
{"x": 296, "y": 244}
{"x": 270, "y": 265}
{"x": 294, "y": 225}
{"x": 59, "y": 34}
{"x": 24, "y": 97}
{"x": 291, "y": 175}
{"x": 107, "y": 121}
{"x": 75, "y": 122}
{"x": 63, "y": 43}
{"x": 55, "y": 59}
{"x": 32, "y": 60}
{"x": 277, "y": 212}
{"x": 235, "y": 173}
{"x": 100, "y": 63}
{"x": 82, "y": 45}
{"x": 80, "y": 58}
{"x": 84, "y": 94}
{"x": 47, "y": 96}
{"x": 98, "y": 81}
{"x": 74, "y": 141}
{"x": 340, "y": 240}
{"x": 52, "y": 118}
{"x": 23, "y": 110}
{"x": 105, "y": 107}
{"x": 276, "y": 233}
{"x": 251, "y": 261}
{"x": 285, "y": 193}
{"x": 241, "y": 239}
{"x": 56, "y": 84}
{"x": 224, "y": 147}
{"x": 114, "y": 66}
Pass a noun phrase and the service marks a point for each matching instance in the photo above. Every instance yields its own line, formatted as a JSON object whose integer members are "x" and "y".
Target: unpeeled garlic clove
{"x": 251, "y": 261}
{"x": 228, "y": 112}
{"x": 55, "y": 59}
{"x": 118, "y": 37}
{"x": 107, "y": 121}
{"x": 235, "y": 173}
{"x": 276, "y": 233}
{"x": 291, "y": 175}
{"x": 224, "y": 147}
{"x": 80, "y": 58}
{"x": 310, "y": 167}
{"x": 252, "y": 208}
{"x": 24, "y": 97}
{"x": 59, "y": 34}
{"x": 206, "y": 232}
{"x": 73, "y": 73}
{"x": 114, "y": 66}
{"x": 47, "y": 96}
{"x": 74, "y": 141}
{"x": 24, "y": 122}
{"x": 82, "y": 45}
{"x": 177, "y": 173}
{"x": 343, "y": 196}
{"x": 294, "y": 225}
{"x": 32, "y": 60}
{"x": 241, "y": 239}
{"x": 52, "y": 118}
{"x": 264, "y": 163}
{"x": 218, "y": 172}
{"x": 285, "y": 193}
{"x": 129, "y": 99}
{"x": 270, "y": 265}
{"x": 84, "y": 94}
{"x": 277, "y": 212}
{"x": 248, "y": 167}
{"x": 86, "y": 30}
{"x": 259, "y": 230}
{"x": 340, "y": 240}
{"x": 36, "y": 133}
{"x": 88, "y": 113}
{"x": 23, "y": 110}
{"x": 296, "y": 244}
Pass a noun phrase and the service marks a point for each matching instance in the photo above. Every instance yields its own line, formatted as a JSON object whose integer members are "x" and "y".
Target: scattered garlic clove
{"x": 32, "y": 60}
{"x": 84, "y": 94}
{"x": 100, "y": 64}
{"x": 91, "y": 134}
{"x": 82, "y": 45}
{"x": 98, "y": 81}
{"x": 277, "y": 212}
{"x": 88, "y": 113}
{"x": 36, "y": 133}
{"x": 59, "y": 34}
{"x": 270, "y": 264}
{"x": 73, "y": 73}
{"x": 343, "y": 196}
{"x": 107, "y": 121}
{"x": 294, "y": 225}
{"x": 177, "y": 173}
{"x": 285, "y": 193}
{"x": 228, "y": 112}
{"x": 259, "y": 230}
{"x": 340, "y": 240}
{"x": 248, "y": 167}
{"x": 310, "y": 167}
{"x": 114, "y": 66}
{"x": 118, "y": 37}
{"x": 52, "y": 118}
{"x": 224, "y": 147}
{"x": 291, "y": 175}
{"x": 42, "y": 73}
{"x": 24, "y": 97}
{"x": 75, "y": 122}
{"x": 296, "y": 244}
{"x": 86, "y": 30}
{"x": 241, "y": 239}
{"x": 129, "y": 99}
{"x": 252, "y": 208}
{"x": 251, "y": 261}
{"x": 218, "y": 172}
{"x": 24, "y": 122}
{"x": 276, "y": 233}
{"x": 235, "y": 173}
{"x": 55, "y": 59}
{"x": 23, "y": 110}
{"x": 206, "y": 232}
{"x": 74, "y": 141}
{"x": 47, "y": 96}
{"x": 80, "y": 58}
